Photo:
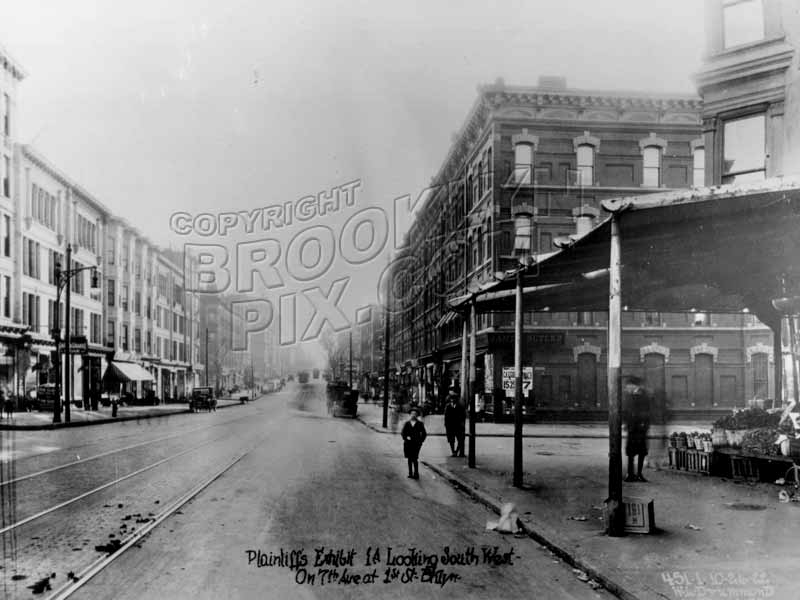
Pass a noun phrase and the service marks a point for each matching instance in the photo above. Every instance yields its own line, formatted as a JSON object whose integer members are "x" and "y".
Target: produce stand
{"x": 742, "y": 446}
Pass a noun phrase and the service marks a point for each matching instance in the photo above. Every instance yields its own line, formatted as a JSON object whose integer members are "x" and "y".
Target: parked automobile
{"x": 202, "y": 399}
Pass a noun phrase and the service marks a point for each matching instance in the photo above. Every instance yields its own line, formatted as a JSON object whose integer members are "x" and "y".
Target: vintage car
{"x": 202, "y": 399}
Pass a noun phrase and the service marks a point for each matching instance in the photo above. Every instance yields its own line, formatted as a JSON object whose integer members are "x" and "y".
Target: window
{"x": 652, "y": 166}
{"x": 125, "y": 297}
{"x": 7, "y": 177}
{"x": 137, "y": 340}
{"x": 6, "y": 115}
{"x": 110, "y": 334}
{"x": 699, "y": 168}
{"x": 652, "y": 318}
{"x": 489, "y": 169}
{"x": 112, "y": 250}
{"x": 124, "y": 337}
{"x": 94, "y": 328}
{"x": 545, "y": 242}
{"x": 149, "y": 342}
{"x": 7, "y": 297}
{"x": 149, "y": 307}
{"x": 742, "y": 22}
{"x": 585, "y": 164}
{"x": 523, "y": 163}
{"x": 744, "y": 149}
{"x": 112, "y": 291}
{"x": 700, "y": 319}
{"x": 585, "y": 318}
{"x": 6, "y": 235}
{"x": 487, "y": 241}
{"x": 137, "y": 303}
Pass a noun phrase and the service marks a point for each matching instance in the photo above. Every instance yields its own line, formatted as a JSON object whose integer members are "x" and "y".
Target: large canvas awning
{"x": 127, "y": 371}
{"x": 719, "y": 249}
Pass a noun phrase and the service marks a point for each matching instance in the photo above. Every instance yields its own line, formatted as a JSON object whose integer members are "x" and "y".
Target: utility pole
{"x": 207, "y": 365}
{"x": 351, "y": 359}
{"x": 386, "y": 366}
{"x": 68, "y": 334}
{"x": 518, "y": 382}
{"x": 472, "y": 360}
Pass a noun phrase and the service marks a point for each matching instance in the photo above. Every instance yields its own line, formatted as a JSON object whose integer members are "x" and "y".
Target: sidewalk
{"x": 716, "y": 538}
{"x": 372, "y": 415}
{"x": 37, "y": 420}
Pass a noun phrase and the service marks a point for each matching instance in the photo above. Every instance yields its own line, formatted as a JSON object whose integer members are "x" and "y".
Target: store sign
{"x": 78, "y": 344}
{"x": 488, "y": 373}
{"x": 508, "y": 380}
{"x": 530, "y": 340}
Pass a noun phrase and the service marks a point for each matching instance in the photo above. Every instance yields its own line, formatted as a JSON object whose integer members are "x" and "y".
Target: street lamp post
{"x": 523, "y": 246}
{"x": 63, "y": 279}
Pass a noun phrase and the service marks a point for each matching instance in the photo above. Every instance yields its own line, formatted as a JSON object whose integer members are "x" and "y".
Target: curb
{"x": 563, "y": 436}
{"x": 546, "y": 537}
{"x": 106, "y": 421}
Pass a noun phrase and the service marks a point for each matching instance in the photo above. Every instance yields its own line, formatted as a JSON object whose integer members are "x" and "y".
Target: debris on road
{"x": 581, "y": 575}
{"x": 508, "y": 522}
{"x": 110, "y": 547}
{"x": 693, "y": 527}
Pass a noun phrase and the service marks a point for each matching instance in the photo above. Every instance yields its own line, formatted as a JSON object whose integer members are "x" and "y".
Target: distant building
{"x": 561, "y": 151}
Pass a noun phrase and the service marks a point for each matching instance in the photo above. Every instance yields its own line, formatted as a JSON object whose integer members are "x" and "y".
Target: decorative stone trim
{"x": 586, "y": 211}
{"x": 586, "y": 140}
{"x": 586, "y": 349}
{"x": 654, "y": 349}
{"x": 525, "y": 138}
{"x": 698, "y": 143}
{"x": 704, "y": 348}
{"x": 759, "y": 348}
{"x": 652, "y": 140}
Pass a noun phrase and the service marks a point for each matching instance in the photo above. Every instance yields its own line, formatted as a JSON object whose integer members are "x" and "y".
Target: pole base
{"x": 615, "y": 518}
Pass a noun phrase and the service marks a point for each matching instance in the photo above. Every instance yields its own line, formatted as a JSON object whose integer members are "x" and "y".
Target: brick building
{"x": 561, "y": 151}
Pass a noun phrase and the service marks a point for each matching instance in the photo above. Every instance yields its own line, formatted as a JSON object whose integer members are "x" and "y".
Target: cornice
{"x": 11, "y": 65}
{"x": 753, "y": 61}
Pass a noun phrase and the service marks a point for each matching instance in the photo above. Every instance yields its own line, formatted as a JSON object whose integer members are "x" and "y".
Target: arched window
{"x": 585, "y": 164}
{"x": 651, "y": 173}
{"x": 523, "y": 163}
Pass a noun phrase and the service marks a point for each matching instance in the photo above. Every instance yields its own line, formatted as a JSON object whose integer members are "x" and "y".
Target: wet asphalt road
{"x": 315, "y": 508}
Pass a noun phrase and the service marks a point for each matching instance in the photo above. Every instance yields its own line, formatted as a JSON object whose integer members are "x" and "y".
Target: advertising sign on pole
{"x": 508, "y": 381}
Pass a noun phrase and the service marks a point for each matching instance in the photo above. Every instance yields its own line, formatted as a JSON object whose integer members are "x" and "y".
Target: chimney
{"x": 552, "y": 83}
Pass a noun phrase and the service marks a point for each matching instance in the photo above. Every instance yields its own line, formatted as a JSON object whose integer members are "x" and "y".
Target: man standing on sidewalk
{"x": 637, "y": 420}
{"x": 454, "y": 419}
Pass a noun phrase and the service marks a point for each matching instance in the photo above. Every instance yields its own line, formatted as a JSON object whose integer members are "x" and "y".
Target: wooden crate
{"x": 639, "y": 515}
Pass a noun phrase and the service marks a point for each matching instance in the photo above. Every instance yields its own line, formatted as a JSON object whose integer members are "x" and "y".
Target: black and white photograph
{"x": 340, "y": 299}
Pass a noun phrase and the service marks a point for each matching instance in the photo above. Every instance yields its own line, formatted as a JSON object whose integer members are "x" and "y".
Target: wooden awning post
{"x": 615, "y": 511}
{"x": 472, "y": 329}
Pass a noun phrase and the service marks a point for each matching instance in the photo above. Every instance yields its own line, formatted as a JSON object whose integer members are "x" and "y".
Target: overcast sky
{"x": 158, "y": 106}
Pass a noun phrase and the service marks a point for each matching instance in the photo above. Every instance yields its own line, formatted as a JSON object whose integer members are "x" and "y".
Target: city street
{"x": 326, "y": 498}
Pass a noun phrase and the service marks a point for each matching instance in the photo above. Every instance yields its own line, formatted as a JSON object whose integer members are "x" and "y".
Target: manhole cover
{"x": 745, "y": 506}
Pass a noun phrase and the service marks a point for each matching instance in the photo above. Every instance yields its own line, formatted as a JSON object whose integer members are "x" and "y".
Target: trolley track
{"x": 51, "y": 536}
{"x": 114, "y": 451}
{"x": 96, "y": 567}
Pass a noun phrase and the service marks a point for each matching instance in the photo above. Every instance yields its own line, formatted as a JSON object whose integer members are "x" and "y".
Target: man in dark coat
{"x": 637, "y": 421}
{"x": 454, "y": 419}
{"x": 413, "y": 434}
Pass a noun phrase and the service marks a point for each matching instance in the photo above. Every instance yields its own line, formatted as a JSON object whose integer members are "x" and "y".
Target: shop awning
{"x": 127, "y": 371}
{"x": 719, "y": 249}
